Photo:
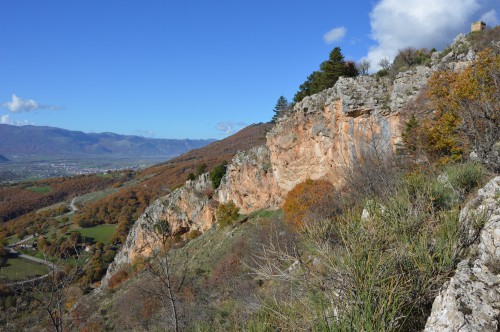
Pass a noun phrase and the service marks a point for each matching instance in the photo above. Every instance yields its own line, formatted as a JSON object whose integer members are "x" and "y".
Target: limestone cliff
{"x": 189, "y": 207}
{"x": 250, "y": 183}
{"x": 470, "y": 300}
{"x": 337, "y": 127}
{"x": 324, "y": 133}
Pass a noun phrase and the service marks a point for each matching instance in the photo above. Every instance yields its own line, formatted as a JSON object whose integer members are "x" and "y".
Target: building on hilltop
{"x": 478, "y": 26}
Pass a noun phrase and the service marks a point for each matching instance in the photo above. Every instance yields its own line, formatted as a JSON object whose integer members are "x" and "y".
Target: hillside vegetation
{"x": 125, "y": 197}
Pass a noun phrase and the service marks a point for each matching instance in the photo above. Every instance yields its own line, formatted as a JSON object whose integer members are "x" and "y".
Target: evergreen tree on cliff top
{"x": 281, "y": 107}
{"x": 326, "y": 77}
{"x": 332, "y": 69}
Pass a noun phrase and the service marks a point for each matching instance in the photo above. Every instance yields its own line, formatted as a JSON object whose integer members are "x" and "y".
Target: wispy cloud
{"x": 6, "y": 119}
{"x": 145, "y": 133}
{"x": 18, "y": 105}
{"x": 229, "y": 127}
{"x": 398, "y": 24}
{"x": 334, "y": 35}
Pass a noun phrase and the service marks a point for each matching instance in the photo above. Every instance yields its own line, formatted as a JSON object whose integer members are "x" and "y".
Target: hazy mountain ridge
{"x": 41, "y": 140}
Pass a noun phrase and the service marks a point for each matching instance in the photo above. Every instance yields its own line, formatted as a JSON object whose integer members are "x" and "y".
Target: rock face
{"x": 470, "y": 300}
{"x": 250, "y": 183}
{"x": 188, "y": 207}
{"x": 340, "y": 126}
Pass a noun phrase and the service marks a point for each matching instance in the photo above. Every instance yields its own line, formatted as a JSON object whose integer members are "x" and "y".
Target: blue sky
{"x": 194, "y": 69}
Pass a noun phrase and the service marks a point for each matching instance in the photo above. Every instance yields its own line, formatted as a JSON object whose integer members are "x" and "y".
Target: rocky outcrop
{"x": 470, "y": 300}
{"x": 186, "y": 208}
{"x": 338, "y": 127}
{"x": 250, "y": 183}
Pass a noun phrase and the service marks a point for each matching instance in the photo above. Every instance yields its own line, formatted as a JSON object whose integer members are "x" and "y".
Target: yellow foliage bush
{"x": 226, "y": 214}
{"x": 464, "y": 112}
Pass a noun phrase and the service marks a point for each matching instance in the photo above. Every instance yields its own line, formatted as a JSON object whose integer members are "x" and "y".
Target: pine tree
{"x": 332, "y": 69}
{"x": 282, "y": 106}
{"x": 327, "y": 76}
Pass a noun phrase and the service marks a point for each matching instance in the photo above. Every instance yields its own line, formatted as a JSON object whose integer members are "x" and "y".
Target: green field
{"x": 101, "y": 233}
{"x": 19, "y": 269}
{"x": 94, "y": 196}
{"x": 40, "y": 189}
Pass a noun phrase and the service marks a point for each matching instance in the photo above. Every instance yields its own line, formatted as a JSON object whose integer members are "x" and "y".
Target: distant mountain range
{"x": 25, "y": 141}
{"x": 3, "y": 159}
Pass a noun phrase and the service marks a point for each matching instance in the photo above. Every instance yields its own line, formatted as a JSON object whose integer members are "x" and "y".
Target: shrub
{"x": 465, "y": 112}
{"x": 217, "y": 173}
{"x": 410, "y": 135}
{"x": 409, "y": 57}
{"x": 309, "y": 201}
{"x": 226, "y": 214}
{"x": 117, "y": 279}
{"x": 442, "y": 127}
{"x": 465, "y": 177}
{"x": 202, "y": 168}
{"x": 193, "y": 234}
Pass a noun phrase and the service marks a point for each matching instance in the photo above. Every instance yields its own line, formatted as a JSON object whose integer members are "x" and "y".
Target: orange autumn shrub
{"x": 310, "y": 201}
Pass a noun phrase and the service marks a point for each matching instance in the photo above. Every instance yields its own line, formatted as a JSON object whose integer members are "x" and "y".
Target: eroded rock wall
{"x": 470, "y": 300}
{"x": 250, "y": 183}
{"x": 338, "y": 127}
{"x": 189, "y": 207}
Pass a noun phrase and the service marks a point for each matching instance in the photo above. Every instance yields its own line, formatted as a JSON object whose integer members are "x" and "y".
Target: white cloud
{"x": 490, "y": 18}
{"x": 334, "y": 35}
{"x": 398, "y": 24}
{"x": 5, "y": 119}
{"x": 18, "y": 105}
{"x": 229, "y": 127}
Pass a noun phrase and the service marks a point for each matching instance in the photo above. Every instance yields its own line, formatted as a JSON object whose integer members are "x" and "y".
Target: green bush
{"x": 465, "y": 176}
{"x": 217, "y": 173}
{"x": 202, "y": 168}
{"x": 226, "y": 214}
{"x": 442, "y": 194}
